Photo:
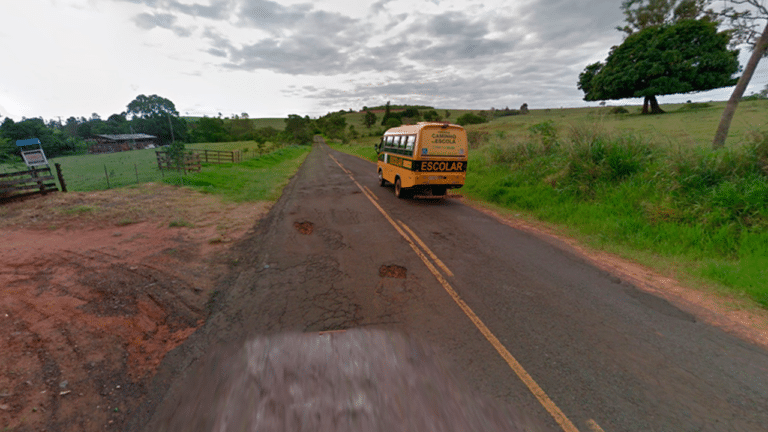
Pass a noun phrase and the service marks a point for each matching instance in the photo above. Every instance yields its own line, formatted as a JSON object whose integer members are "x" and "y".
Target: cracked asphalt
{"x": 610, "y": 356}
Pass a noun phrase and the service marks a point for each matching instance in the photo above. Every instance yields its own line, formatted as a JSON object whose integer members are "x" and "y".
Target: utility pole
{"x": 171, "y": 126}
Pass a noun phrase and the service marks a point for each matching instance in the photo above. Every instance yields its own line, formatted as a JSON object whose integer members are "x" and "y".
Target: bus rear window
{"x": 411, "y": 141}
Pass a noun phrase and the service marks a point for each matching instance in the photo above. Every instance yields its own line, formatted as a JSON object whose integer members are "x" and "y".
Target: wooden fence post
{"x": 106, "y": 174}
{"x": 61, "y": 177}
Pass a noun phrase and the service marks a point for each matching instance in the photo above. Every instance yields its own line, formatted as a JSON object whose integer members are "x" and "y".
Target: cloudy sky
{"x": 64, "y": 58}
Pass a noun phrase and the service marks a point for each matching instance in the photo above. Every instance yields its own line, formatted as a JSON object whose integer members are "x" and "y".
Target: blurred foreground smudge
{"x": 355, "y": 380}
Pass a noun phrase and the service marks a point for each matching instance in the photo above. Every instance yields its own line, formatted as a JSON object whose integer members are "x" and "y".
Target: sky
{"x": 63, "y": 58}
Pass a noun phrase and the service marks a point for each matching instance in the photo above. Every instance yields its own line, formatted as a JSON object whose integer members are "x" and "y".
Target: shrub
{"x": 476, "y": 138}
{"x": 694, "y": 106}
{"x": 600, "y": 158}
{"x": 393, "y": 122}
{"x": 469, "y": 118}
{"x": 618, "y": 110}
{"x": 544, "y": 132}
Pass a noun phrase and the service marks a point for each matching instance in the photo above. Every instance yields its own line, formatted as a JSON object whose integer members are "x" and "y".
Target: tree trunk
{"x": 654, "y": 106}
{"x": 738, "y": 91}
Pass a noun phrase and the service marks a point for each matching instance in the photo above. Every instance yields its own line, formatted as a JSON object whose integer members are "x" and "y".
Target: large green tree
{"x": 298, "y": 129}
{"x": 641, "y": 14}
{"x": 209, "y": 129}
{"x": 155, "y": 115}
{"x": 147, "y": 106}
{"x": 369, "y": 119}
{"x": 686, "y": 56}
{"x": 332, "y": 125}
{"x": 54, "y": 141}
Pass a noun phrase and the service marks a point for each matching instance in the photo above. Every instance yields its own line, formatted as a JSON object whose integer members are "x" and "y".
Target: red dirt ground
{"x": 95, "y": 290}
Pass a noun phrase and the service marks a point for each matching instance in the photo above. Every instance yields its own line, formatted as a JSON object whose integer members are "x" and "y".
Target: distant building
{"x": 122, "y": 142}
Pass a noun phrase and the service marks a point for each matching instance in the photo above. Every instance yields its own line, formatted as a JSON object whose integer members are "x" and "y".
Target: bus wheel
{"x": 439, "y": 190}
{"x": 399, "y": 192}
{"x": 382, "y": 182}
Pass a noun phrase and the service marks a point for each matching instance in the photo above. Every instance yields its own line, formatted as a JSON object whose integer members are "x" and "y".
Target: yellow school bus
{"x": 423, "y": 159}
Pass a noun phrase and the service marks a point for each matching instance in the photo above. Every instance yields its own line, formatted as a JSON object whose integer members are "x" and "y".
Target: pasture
{"x": 105, "y": 171}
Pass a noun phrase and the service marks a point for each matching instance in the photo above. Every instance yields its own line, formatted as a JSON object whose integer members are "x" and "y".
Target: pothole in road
{"x": 393, "y": 271}
{"x": 305, "y": 227}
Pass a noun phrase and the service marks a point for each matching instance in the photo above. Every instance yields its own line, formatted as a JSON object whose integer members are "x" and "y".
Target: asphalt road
{"x": 522, "y": 319}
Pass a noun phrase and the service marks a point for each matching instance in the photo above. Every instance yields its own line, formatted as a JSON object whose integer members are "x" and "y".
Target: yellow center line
{"x": 426, "y": 249}
{"x": 593, "y": 426}
{"x": 526, "y": 378}
{"x": 371, "y": 193}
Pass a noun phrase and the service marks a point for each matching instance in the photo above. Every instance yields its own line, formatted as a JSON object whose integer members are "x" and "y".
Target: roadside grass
{"x": 705, "y": 211}
{"x": 247, "y": 148}
{"x": 647, "y": 188}
{"x": 361, "y": 147}
{"x": 256, "y": 179}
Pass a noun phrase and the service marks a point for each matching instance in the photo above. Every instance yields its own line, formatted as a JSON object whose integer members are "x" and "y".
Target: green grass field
{"x": 84, "y": 173}
{"x": 257, "y": 179}
{"x": 277, "y": 123}
{"x": 648, "y": 188}
{"x": 680, "y": 126}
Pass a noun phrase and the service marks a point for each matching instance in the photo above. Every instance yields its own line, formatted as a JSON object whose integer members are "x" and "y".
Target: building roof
{"x": 122, "y": 137}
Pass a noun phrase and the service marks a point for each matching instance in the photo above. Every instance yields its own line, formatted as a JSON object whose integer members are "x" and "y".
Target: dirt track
{"x": 94, "y": 293}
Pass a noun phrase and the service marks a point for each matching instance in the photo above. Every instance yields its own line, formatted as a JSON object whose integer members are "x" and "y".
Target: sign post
{"x": 33, "y": 157}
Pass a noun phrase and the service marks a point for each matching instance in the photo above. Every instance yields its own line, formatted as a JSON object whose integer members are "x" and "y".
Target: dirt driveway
{"x": 95, "y": 289}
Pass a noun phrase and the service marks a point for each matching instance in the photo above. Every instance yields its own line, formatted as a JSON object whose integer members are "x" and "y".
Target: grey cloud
{"x": 569, "y": 22}
{"x": 216, "y": 52}
{"x": 219, "y": 42}
{"x": 476, "y": 59}
{"x": 270, "y": 15}
{"x": 378, "y": 7}
{"x": 150, "y": 3}
{"x": 216, "y": 10}
{"x": 453, "y": 24}
{"x": 300, "y": 55}
{"x": 181, "y": 31}
{"x": 150, "y": 21}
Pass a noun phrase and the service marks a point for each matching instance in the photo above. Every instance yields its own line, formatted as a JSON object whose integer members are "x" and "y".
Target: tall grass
{"x": 258, "y": 179}
{"x": 706, "y": 209}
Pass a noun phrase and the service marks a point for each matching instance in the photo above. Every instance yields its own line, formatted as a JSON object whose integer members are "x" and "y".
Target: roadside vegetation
{"x": 258, "y": 179}
{"x": 649, "y": 188}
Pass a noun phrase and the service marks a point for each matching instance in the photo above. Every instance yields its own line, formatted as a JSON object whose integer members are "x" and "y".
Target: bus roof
{"x": 410, "y": 129}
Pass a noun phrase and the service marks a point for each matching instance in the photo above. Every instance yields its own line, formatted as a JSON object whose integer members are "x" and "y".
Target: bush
{"x": 470, "y": 118}
{"x": 393, "y": 122}
{"x": 544, "y": 132}
{"x": 476, "y": 138}
{"x": 618, "y": 110}
{"x": 694, "y": 106}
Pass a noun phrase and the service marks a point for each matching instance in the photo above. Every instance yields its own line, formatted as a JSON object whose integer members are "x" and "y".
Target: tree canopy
{"x": 683, "y": 57}
{"x": 641, "y": 14}
{"x": 148, "y": 106}
{"x": 155, "y": 115}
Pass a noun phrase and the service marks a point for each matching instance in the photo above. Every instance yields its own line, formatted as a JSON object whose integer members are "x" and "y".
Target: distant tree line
{"x": 152, "y": 115}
